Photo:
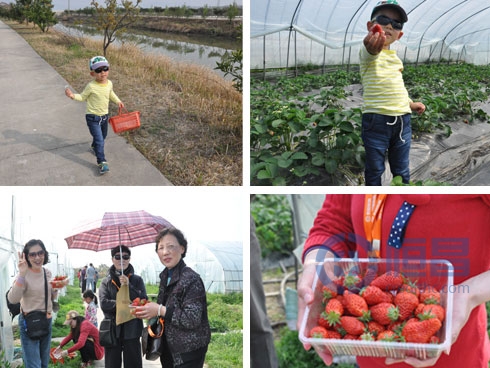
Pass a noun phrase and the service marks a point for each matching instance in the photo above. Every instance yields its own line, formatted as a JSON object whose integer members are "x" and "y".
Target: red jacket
{"x": 87, "y": 329}
{"x": 452, "y": 227}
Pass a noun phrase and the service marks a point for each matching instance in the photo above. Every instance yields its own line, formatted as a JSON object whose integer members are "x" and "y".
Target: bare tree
{"x": 113, "y": 20}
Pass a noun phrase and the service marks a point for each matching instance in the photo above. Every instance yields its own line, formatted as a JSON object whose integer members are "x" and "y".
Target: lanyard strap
{"x": 373, "y": 214}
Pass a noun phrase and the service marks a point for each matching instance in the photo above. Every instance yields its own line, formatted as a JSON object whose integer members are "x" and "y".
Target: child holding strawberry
{"x": 451, "y": 227}
{"x": 387, "y": 107}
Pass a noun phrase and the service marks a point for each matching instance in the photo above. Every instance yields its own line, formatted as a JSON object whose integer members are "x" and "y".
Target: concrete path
{"x": 44, "y": 139}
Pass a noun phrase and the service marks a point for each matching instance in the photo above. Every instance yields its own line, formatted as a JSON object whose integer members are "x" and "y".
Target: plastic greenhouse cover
{"x": 219, "y": 263}
{"x": 324, "y": 29}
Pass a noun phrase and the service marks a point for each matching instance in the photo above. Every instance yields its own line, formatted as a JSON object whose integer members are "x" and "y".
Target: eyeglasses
{"x": 101, "y": 69}
{"x": 170, "y": 248}
{"x": 384, "y": 21}
{"x": 117, "y": 257}
{"x": 36, "y": 254}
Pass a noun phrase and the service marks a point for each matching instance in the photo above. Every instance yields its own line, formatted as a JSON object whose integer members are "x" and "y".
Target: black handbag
{"x": 107, "y": 332}
{"x": 151, "y": 340}
{"x": 36, "y": 323}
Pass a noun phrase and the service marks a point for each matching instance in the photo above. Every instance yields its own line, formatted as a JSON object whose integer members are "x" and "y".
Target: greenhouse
{"x": 306, "y": 95}
{"x": 286, "y": 33}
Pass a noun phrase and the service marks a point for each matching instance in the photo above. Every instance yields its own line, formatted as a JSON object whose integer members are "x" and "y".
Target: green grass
{"x": 225, "y": 316}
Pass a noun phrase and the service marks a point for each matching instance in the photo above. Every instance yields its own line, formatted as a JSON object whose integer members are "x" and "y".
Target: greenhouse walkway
{"x": 44, "y": 139}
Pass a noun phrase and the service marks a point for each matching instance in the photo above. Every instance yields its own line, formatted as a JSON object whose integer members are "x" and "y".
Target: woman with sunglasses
{"x": 98, "y": 93}
{"x": 29, "y": 289}
{"x": 387, "y": 107}
{"x": 128, "y": 347}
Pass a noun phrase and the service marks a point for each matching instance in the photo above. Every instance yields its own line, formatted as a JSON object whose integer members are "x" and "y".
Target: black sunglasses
{"x": 36, "y": 254}
{"x": 124, "y": 256}
{"x": 101, "y": 69}
{"x": 384, "y": 21}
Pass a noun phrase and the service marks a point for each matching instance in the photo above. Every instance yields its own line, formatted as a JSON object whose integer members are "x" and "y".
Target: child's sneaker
{"x": 103, "y": 168}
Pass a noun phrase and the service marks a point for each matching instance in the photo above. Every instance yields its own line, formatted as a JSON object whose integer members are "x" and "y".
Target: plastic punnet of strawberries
{"x": 389, "y": 308}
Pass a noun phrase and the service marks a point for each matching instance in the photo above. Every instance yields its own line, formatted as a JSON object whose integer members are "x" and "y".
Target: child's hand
{"x": 374, "y": 42}
{"x": 417, "y": 107}
{"x": 121, "y": 105}
{"x": 69, "y": 93}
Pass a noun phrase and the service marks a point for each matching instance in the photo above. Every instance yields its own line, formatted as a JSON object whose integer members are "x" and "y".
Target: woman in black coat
{"x": 128, "y": 334}
{"x": 182, "y": 302}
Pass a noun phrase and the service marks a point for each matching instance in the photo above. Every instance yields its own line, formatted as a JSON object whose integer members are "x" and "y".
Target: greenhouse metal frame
{"x": 288, "y": 34}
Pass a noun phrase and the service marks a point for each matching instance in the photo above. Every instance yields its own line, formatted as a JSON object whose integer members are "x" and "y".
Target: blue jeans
{"x": 97, "y": 125}
{"x": 381, "y": 134}
{"x": 35, "y": 353}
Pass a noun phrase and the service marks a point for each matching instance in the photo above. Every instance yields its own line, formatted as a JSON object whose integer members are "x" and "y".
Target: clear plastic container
{"x": 434, "y": 273}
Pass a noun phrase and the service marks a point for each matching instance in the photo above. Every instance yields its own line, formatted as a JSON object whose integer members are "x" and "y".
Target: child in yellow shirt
{"x": 387, "y": 108}
{"x": 98, "y": 93}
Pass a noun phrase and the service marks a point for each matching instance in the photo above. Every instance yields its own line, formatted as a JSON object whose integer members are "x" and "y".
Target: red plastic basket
{"x": 125, "y": 121}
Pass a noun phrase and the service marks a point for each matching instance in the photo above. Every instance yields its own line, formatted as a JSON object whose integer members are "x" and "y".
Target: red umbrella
{"x": 118, "y": 228}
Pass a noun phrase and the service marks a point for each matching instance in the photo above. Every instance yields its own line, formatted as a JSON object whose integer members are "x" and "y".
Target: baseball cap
{"x": 97, "y": 62}
{"x": 393, "y": 4}
{"x": 70, "y": 315}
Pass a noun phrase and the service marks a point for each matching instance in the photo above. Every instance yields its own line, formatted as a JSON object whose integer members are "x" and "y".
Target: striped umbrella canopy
{"x": 116, "y": 229}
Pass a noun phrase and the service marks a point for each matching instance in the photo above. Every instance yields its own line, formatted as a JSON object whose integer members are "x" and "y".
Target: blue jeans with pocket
{"x": 383, "y": 134}
{"x": 97, "y": 125}
{"x": 35, "y": 353}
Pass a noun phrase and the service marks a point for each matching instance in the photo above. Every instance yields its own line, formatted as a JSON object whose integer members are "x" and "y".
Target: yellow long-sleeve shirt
{"x": 382, "y": 80}
{"x": 97, "y": 96}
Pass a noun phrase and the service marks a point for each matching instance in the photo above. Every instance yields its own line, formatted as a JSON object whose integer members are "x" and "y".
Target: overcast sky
{"x": 50, "y": 213}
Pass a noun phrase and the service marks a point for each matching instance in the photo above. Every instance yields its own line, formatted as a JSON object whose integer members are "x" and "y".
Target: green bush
{"x": 274, "y": 224}
{"x": 291, "y": 354}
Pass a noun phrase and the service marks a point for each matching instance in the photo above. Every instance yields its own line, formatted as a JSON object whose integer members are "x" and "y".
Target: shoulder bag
{"x": 36, "y": 323}
{"x": 151, "y": 339}
{"x": 107, "y": 332}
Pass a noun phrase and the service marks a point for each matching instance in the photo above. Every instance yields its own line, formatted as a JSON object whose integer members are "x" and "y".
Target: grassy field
{"x": 191, "y": 117}
{"x": 225, "y": 318}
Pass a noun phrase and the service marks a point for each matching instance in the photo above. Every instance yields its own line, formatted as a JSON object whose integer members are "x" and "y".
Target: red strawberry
{"x": 352, "y": 281}
{"x": 390, "y": 280}
{"x": 329, "y": 292}
{"x": 411, "y": 287}
{"x": 435, "y": 310}
{"x": 333, "y": 310}
{"x": 375, "y": 328}
{"x": 350, "y": 337}
{"x": 318, "y": 332}
{"x": 374, "y": 295}
{"x": 384, "y": 313}
{"x": 406, "y": 303}
{"x": 419, "y": 309}
{"x": 136, "y": 301}
{"x": 377, "y": 29}
{"x": 421, "y": 331}
{"x": 352, "y": 325}
{"x": 387, "y": 335}
{"x": 355, "y": 304}
{"x": 333, "y": 335}
{"x": 367, "y": 336}
{"x": 434, "y": 340}
{"x": 430, "y": 295}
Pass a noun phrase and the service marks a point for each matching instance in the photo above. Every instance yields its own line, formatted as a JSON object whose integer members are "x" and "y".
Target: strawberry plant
{"x": 300, "y": 133}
